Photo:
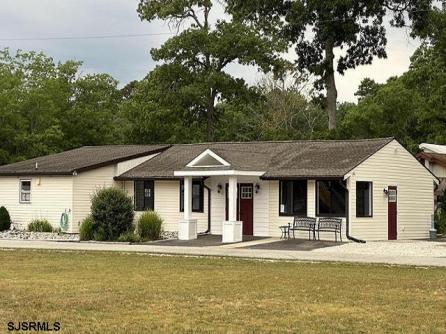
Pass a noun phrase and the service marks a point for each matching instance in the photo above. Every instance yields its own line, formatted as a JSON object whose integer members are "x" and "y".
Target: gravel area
{"x": 25, "y": 235}
{"x": 391, "y": 248}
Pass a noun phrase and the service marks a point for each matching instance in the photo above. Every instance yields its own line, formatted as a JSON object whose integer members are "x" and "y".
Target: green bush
{"x": 86, "y": 229}
{"x": 40, "y": 225}
{"x": 440, "y": 221}
{"x": 112, "y": 214}
{"x": 149, "y": 226}
{"x": 5, "y": 219}
{"x": 129, "y": 236}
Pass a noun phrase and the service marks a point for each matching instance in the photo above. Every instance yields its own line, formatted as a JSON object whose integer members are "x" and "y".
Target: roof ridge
{"x": 286, "y": 141}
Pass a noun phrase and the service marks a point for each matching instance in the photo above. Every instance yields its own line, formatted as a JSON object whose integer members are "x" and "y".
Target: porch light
{"x": 220, "y": 187}
{"x": 385, "y": 191}
{"x": 257, "y": 188}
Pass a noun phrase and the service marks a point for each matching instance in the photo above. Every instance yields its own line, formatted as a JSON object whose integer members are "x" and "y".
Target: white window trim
{"x": 25, "y": 192}
{"x": 194, "y": 162}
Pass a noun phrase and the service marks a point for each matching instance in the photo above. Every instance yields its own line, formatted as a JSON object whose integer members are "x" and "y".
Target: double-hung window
{"x": 197, "y": 196}
{"x": 364, "y": 192}
{"x": 293, "y": 198}
{"x": 25, "y": 191}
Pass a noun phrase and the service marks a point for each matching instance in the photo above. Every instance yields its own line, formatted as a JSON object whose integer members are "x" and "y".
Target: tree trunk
{"x": 330, "y": 85}
{"x": 211, "y": 116}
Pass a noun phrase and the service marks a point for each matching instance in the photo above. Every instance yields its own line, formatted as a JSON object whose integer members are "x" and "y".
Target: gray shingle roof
{"x": 79, "y": 159}
{"x": 280, "y": 159}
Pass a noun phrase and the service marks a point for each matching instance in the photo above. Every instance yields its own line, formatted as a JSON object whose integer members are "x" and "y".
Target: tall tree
{"x": 317, "y": 28}
{"x": 194, "y": 61}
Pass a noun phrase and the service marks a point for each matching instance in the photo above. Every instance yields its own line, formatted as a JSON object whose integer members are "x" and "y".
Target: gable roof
{"x": 278, "y": 159}
{"x": 79, "y": 160}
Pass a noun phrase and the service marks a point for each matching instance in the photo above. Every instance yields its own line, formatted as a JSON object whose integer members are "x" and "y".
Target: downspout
{"x": 347, "y": 219}
{"x": 209, "y": 211}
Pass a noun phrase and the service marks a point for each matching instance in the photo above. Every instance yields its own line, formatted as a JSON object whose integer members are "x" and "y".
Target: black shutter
{"x": 139, "y": 195}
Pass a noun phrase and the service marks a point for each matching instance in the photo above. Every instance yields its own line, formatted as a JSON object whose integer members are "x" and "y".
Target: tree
{"x": 48, "y": 107}
{"x": 194, "y": 60}
{"x": 317, "y": 28}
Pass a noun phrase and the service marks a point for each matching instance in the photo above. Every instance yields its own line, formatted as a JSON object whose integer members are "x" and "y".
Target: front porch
{"x": 249, "y": 242}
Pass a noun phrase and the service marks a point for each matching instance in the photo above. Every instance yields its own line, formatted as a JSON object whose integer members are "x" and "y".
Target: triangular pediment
{"x": 208, "y": 158}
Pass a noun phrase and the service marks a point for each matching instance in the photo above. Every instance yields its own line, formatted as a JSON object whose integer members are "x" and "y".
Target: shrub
{"x": 86, "y": 229}
{"x": 440, "y": 221}
{"x": 112, "y": 213}
{"x": 40, "y": 225}
{"x": 149, "y": 226}
{"x": 5, "y": 219}
{"x": 129, "y": 236}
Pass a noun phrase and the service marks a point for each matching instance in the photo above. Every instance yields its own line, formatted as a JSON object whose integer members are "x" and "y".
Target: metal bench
{"x": 304, "y": 224}
{"x": 330, "y": 225}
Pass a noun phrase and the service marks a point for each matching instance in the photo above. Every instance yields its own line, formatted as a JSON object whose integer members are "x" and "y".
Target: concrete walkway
{"x": 233, "y": 252}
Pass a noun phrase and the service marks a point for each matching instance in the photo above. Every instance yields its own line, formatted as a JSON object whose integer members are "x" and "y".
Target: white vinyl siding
{"x": 167, "y": 204}
{"x": 50, "y": 197}
{"x": 84, "y": 186}
{"x": 394, "y": 166}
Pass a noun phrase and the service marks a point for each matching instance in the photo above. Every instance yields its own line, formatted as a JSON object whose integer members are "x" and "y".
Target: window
{"x": 293, "y": 198}
{"x": 330, "y": 198}
{"x": 364, "y": 199}
{"x": 197, "y": 196}
{"x": 246, "y": 192}
{"x": 25, "y": 191}
{"x": 144, "y": 195}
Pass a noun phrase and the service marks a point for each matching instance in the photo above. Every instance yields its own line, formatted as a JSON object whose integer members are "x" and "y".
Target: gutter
{"x": 347, "y": 220}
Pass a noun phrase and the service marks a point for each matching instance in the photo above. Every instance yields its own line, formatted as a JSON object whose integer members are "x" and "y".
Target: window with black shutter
{"x": 144, "y": 195}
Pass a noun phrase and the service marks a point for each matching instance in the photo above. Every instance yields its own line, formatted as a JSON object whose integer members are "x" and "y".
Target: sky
{"x": 129, "y": 59}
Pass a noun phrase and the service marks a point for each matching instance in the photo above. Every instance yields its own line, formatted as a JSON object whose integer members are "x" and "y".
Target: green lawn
{"x": 91, "y": 292}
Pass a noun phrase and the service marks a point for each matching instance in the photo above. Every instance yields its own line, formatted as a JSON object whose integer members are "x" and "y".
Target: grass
{"x": 92, "y": 292}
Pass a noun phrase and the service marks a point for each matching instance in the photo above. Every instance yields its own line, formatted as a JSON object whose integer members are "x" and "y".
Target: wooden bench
{"x": 304, "y": 224}
{"x": 330, "y": 225}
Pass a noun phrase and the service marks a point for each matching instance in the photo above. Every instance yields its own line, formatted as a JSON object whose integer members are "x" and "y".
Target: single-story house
{"x": 46, "y": 187}
{"x": 376, "y": 186}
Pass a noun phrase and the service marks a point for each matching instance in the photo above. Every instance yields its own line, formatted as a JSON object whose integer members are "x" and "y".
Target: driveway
{"x": 418, "y": 253}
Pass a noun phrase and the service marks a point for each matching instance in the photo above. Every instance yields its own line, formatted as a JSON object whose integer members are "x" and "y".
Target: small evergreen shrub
{"x": 86, "y": 229}
{"x": 129, "y": 236}
{"x": 440, "y": 214}
{"x": 112, "y": 214}
{"x": 40, "y": 225}
{"x": 149, "y": 226}
{"x": 5, "y": 219}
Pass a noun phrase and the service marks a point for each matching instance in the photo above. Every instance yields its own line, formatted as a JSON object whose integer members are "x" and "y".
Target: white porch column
{"x": 187, "y": 198}
{"x": 232, "y": 229}
{"x": 187, "y": 228}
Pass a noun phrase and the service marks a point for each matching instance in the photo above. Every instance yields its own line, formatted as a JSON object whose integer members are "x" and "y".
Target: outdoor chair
{"x": 330, "y": 225}
{"x": 304, "y": 224}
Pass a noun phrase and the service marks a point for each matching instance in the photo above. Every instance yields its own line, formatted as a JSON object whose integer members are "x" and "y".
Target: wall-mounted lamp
{"x": 219, "y": 188}
{"x": 257, "y": 186}
{"x": 385, "y": 191}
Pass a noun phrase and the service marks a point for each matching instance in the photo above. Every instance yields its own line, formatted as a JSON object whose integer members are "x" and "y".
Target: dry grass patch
{"x": 133, "y": 293}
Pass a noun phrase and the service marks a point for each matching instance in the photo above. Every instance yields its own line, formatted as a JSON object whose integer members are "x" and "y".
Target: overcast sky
{"x": 128, "y": 58}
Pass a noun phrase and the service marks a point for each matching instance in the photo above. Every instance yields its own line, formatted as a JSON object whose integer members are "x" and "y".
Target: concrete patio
{"x": 425, "y": 253}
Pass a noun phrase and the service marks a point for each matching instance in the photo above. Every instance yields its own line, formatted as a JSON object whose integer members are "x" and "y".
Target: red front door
{"x": 392, "y": 201}
{"x": 245, "y": 206}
